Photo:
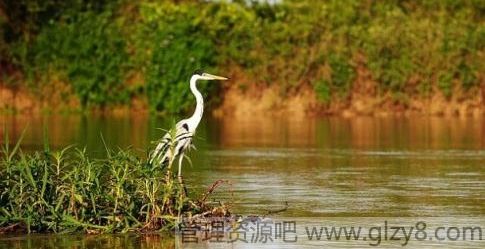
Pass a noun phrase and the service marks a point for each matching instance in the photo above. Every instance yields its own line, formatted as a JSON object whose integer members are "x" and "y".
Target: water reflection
{"x": 421, "y": 232}
{"x": 124, "y": 241}
{"x": 415, "y": 133}
{"x": 361, "y": 132}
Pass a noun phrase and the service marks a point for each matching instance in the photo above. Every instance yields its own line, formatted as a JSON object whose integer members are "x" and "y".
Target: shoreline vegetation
{"x": 259, "y": 100}
{"x": 66, "y": 191}
{"x": 300, "y": 57}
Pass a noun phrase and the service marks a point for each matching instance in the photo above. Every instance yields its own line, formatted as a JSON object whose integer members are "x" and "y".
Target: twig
{"x": 8, "y": 228}
{"x": 211, "y": 189}
{"x": 202, "y": 215}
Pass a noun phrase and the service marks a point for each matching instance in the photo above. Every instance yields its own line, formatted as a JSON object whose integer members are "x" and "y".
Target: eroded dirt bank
{"x": 364, "y": 98}
{"x": 270, "y": 100}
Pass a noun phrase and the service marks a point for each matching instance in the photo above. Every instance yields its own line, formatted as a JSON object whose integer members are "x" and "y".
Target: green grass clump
{"x": 67, "y": 191}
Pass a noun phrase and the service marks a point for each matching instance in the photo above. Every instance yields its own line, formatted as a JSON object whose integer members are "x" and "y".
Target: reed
{"x": 67, "y": 191}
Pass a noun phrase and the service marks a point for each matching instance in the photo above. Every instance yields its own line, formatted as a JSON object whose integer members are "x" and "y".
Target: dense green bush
{"x": 178, "y": 46}
{"x": 89, "y": 51}
{"x": 323, "y": 91}
{"x": 342, "y": 72}
{"x": 445, "y": 83}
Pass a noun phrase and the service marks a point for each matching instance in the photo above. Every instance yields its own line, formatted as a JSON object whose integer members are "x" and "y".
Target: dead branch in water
{"x": 211, "y": 189}
{"x": 9, "y": 228}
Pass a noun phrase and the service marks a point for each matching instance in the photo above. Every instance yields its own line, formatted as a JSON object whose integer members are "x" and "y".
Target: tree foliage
{"x": 407, "y": 45}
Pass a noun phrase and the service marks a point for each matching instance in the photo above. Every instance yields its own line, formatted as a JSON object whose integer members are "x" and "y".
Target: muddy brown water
{"x": 361, "y": 170}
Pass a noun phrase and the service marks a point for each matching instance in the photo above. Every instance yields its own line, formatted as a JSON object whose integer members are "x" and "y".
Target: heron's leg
{"x": 181, "y": 180}
{"x": 181, "y": 158}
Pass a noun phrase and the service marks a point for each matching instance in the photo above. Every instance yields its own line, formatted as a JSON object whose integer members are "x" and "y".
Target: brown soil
{"x": 54, "y": 98}
{"x": 364, "y": 99}
{"x": 14, "y": 99}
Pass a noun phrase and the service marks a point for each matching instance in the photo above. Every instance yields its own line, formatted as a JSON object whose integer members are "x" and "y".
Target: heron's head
{"x": 206, "y": 76}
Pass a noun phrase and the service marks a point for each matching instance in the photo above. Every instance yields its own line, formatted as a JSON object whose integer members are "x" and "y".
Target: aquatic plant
{"x": 67, "y": 191}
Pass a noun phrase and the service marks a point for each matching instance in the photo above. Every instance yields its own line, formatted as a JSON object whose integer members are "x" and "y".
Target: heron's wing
{"x": 179, "y": 140}
{"x": 183, "y": 143}
{"x": 161, "y": 149}
{"x": 183, "y": 138}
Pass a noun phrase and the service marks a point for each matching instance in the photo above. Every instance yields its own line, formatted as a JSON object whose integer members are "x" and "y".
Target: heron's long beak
{"x": 213, "y": 77}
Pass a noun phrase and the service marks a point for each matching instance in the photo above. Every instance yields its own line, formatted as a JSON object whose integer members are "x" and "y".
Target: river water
{"x": 339, "y": 171}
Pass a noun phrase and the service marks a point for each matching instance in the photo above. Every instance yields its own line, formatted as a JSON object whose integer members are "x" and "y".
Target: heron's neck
{"x": 199, "y": 108}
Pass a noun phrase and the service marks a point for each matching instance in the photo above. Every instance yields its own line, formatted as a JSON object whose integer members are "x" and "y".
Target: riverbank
{"x": 240, "y": 100}
{"x": 294, "y": 57}
{"x": 58, "y": 99}
{"x": 363, "y": 100}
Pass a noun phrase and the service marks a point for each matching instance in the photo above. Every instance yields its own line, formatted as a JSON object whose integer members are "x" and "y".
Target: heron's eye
{"x": 199, "y": 72}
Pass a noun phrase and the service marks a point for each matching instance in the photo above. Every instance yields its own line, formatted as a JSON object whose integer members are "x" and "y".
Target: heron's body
{"x": 175, "y": 143}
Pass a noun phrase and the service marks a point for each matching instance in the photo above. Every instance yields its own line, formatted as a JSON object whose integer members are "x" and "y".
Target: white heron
{"x": 176, "y": 142}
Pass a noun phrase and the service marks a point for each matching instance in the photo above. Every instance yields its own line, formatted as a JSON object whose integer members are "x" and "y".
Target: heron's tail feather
{"x": 158, "y": 156}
